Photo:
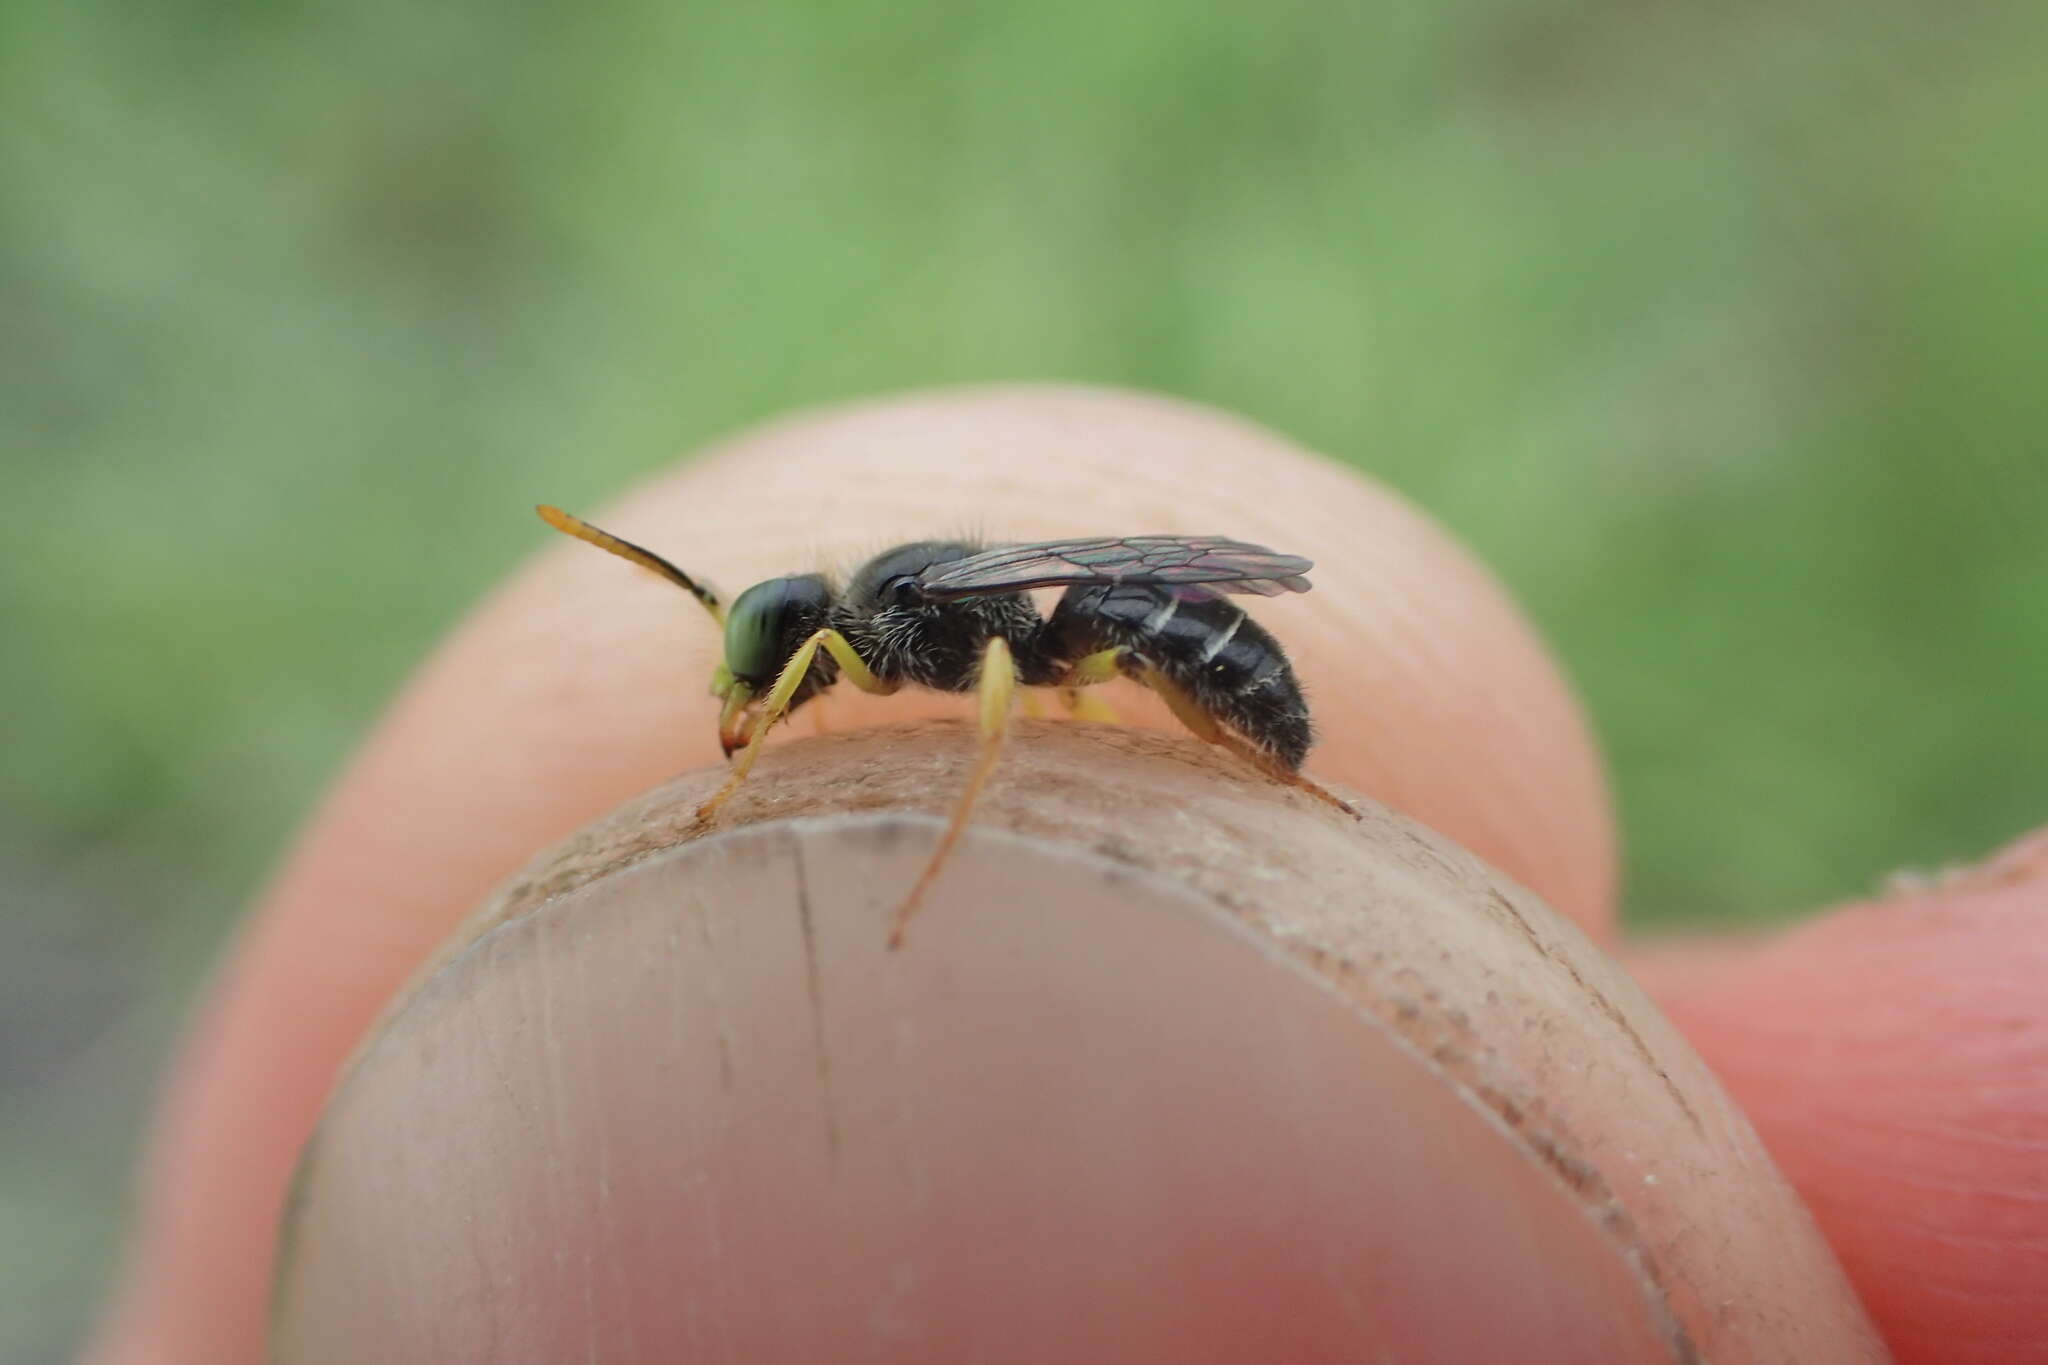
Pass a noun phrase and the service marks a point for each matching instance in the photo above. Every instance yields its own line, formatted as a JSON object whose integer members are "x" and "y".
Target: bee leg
{"x": 996, "y": 692}
{"x": 851, "y": 666}
{"x": 1099, "y": 667}
{"x": 1090, "y": 669}
{"x": 1189, "y": 712}
{"x": 1034, "y": 705}
{"x": 1087, "y": 706}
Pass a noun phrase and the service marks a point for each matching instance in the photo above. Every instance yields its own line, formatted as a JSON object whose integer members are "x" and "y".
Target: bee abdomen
{"x": 1232, "y": 668}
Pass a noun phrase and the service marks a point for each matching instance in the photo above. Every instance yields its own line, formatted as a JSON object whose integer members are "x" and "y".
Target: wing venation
{"x": 1221, "y": 563}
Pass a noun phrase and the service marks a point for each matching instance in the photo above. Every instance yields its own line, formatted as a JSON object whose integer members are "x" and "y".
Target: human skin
{"x": 579, "y": 686}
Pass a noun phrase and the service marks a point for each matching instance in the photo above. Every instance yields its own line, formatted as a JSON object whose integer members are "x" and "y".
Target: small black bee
{"x": 954, "y": 617}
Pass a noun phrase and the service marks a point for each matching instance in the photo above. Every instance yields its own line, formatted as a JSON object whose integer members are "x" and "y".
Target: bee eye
{"x": 904, "y": 591}
{"x": 765, "y": 623}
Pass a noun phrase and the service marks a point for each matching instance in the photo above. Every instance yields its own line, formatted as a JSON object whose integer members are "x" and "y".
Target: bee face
{"x": 767, "y": 623}
{"x": 763, "y": 630}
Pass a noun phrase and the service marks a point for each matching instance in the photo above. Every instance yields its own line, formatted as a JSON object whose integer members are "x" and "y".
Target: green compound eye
{"x": 766, "y": 622}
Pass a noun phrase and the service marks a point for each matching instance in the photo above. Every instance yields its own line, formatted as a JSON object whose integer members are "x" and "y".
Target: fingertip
{"x": 1235, "y": 1078}
{"x": 578, "y": 685}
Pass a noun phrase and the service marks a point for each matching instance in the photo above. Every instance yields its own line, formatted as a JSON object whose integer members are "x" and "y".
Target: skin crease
{"x": 581, "y": 684}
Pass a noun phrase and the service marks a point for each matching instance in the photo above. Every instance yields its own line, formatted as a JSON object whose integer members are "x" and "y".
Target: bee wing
{"x": 1225, "y": 565}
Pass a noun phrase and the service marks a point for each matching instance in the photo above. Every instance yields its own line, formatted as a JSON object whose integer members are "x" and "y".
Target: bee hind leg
{"x": 1199, "y": 722}
{"x": 1099, "y": 667}
{"x": 997, "y": 692}
{"x": 1087, "y": 706}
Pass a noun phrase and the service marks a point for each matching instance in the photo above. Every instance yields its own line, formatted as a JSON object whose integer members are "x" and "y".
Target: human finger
{"x": 1894, "y": 1055}
{"x": 1176, "y": 1064}
{"x": 579, "y": 684}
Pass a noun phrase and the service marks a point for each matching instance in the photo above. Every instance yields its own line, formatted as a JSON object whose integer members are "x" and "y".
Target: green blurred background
{"x": 1719, "y": 330}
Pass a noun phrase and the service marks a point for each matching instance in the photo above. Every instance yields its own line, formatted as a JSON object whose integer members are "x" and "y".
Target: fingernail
{"x": 696, "y": 1110}
{"x": 1200, "y": 1072}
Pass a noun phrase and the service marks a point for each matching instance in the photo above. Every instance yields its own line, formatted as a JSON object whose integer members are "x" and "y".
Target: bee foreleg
{"x": 777, "y": 702}
{"x": 851, "y": 667}
{"x": 996, "y": 692}
{"x": 854, "y": 668}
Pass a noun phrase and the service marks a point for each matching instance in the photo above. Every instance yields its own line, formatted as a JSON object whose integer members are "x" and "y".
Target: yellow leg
{"x": 777, "y": 701}
{"x": 1205, "y": 726}
{"x": 997, "y": 690}
{"x": 851, "y": 664}
{"x": 1099, "y": 667}
{"x": 1087, "y": 706}
{"x": 1184, "y": 707}
{"x": 1034, "y": 706}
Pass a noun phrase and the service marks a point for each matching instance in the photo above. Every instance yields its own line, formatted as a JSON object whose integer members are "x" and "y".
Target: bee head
{"x": 764, "y": 627}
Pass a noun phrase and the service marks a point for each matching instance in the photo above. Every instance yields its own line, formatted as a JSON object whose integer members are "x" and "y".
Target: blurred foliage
{"x": 1718, "y": 330}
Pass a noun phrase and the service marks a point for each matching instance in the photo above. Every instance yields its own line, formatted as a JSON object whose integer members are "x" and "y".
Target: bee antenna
{"x": 625, "y": 549}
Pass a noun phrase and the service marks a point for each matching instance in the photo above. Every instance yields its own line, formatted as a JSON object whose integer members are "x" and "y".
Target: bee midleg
{"x": 855, "y": 670}
{"x": 996, "y": 691}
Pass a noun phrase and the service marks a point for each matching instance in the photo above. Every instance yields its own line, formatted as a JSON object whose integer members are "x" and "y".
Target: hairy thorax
{"x": 940, "y": 645}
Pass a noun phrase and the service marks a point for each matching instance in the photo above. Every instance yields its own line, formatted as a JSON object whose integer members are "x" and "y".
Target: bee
{"x": 954, "y": 616}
